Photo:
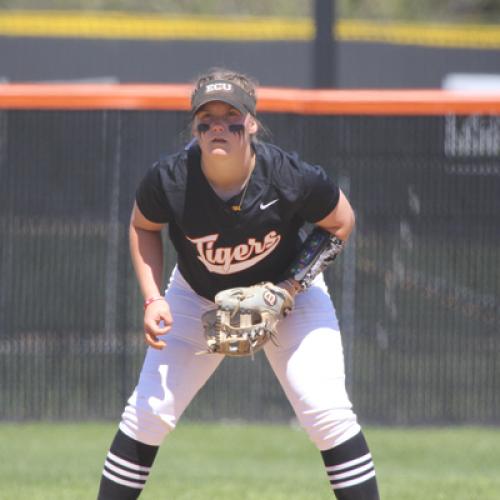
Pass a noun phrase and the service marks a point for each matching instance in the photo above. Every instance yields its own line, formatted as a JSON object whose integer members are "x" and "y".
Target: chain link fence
{"x": 417, "y": 289}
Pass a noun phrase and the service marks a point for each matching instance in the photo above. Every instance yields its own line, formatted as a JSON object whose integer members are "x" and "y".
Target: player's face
{"x": 222, "y": 130}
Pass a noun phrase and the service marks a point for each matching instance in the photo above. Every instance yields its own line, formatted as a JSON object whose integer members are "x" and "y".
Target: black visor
{"x": 225, "y": 91}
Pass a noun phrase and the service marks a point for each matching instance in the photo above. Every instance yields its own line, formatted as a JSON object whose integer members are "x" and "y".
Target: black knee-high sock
{"x": 126, "y": 469}
{"x": 350, "y": 469}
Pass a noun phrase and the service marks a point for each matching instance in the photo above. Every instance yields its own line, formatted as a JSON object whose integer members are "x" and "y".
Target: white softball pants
{"x": 308, "y": 363}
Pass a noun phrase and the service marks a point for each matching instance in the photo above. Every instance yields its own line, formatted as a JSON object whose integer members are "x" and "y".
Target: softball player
{"x": 234, "y": 207}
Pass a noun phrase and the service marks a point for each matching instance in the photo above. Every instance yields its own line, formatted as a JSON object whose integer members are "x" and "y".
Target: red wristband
{"x": 151, "y": 300}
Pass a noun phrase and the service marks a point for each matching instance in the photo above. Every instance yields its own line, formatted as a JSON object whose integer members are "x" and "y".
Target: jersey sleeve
{"x": 320, "y": 194}
{"x": 151, "y": 198}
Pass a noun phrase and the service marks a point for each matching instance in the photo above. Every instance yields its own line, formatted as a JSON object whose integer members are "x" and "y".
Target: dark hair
{"x": 247, "y": 83}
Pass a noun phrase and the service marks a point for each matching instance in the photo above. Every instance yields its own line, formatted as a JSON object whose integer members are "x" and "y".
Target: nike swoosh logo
{"x": 263, "y": 206}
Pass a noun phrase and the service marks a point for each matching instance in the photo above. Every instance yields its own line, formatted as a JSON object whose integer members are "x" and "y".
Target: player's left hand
{"x": 291, "y": 286}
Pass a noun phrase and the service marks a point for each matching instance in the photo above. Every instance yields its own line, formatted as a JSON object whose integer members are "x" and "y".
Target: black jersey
{"x": 218, "y": 248}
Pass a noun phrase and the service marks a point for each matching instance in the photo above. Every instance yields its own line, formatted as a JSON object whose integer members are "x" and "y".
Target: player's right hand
{"x": 157, "y": 321}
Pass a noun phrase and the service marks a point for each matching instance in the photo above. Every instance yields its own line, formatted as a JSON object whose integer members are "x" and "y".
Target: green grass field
{"x": 250, "y": 462}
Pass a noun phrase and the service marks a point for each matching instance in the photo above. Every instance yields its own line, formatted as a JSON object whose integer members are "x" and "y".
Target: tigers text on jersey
{"x": 218, "y": 248}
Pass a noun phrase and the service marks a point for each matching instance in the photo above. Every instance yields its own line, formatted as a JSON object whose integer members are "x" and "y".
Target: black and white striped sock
{"x": 126, "y": 469}
{"x": 351, "y": 471}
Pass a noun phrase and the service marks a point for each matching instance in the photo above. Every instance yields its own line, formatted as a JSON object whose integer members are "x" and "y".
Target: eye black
{"x": 236, "y": 128}
{"x": 202, "y": 127}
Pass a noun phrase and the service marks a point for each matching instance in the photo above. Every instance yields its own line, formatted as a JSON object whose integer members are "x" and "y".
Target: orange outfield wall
{"x": 279, "y": 100}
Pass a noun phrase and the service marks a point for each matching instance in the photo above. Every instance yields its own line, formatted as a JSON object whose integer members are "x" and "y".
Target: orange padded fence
{"x": 285, "y": 100}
